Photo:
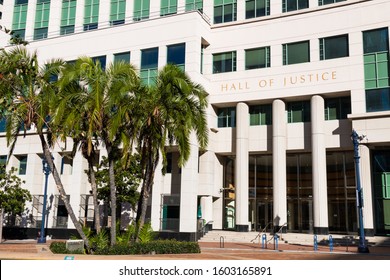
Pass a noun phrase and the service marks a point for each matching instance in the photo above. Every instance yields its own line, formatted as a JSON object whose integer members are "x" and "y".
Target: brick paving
{"x": 30, "y": 250}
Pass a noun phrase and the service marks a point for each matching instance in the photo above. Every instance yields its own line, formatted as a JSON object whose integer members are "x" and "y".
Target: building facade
{"x": 288, "y": 81}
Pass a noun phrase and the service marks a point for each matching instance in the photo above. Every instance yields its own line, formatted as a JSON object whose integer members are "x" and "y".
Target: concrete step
{"x": 18, "y": 247}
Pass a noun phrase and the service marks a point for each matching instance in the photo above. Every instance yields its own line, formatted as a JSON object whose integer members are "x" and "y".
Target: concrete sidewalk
{"x": 30, "y": 250}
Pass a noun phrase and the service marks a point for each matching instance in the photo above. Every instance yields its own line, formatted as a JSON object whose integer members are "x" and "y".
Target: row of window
{"x": 335, "y": 109}
{"x": 224, "y": 11}
{"x": 91, "y": 14}
{"x": 66, "y": 164}
{"x": 293, "y": 53}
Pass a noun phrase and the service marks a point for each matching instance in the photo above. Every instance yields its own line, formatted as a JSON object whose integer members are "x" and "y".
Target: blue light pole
{"x": 362, "y": 247}
{"x": 46, "y": 171}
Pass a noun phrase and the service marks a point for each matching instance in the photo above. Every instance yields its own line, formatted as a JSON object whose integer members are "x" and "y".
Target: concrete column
{"x": 129, "y": 11}
{"x": 104, "y": 13}
{"x": 55, "y": 18}
{"x": 206, "y": 204}
{"x": 275, "y": 7}
{"x": 30, "y": 20}
{"x": 79, "y": 23}
{"x": 320, "y": 194}
{"x": 241, "y": 168}
{"x": 241, "y": 10}
{"x": 189, "y": 191}
{"x": 365, "y": 177}
{"x": 279, "y": 147}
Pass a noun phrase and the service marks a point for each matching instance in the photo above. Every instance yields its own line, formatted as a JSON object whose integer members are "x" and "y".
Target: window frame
{"x": 224, "y": 68}
{"x": 329, "y": 42}
{"x": 286, "y": 55}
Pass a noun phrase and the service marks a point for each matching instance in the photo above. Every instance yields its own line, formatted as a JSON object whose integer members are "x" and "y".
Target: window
{"x": 67, "y": 30}
{"x": 168, "y": 7}
{"x": 91, "y": 14}
{"x": 225, "y": 11}
{"x": 376, "y": 58}
{"x": 177, "y": 54}
{"x": 42, "y": 15}
{"x": 257, "y": 8}
{"x": 293, "y": 5}
{"x": 101, "y": 60}
{"x": 68, "y": 16}
{"x": 296, "y": 53}
{"x": 169, "y": 163}
{"x": 118, "y": 12}
{"x": 224, "y": 62}
{"x": 337, "y": 108}
{"x": 124, "y": 56}
{"x": 325, "y": 2}
{"x": 3, "y": 160}
{"x": 334, "y": 47}
{"x": 194, "y": 5}
{"x": 298, "y": 112}
{"x": 2, "y": 124}
{"x": 22, "y": 164}
{"x": 141, "y": 9}
{"x": 257, "y": 58}
{"x": 378, "y": 100}
{"x": 260, "y": 115}
{"x": 376, "y": 69}
{"x": 19, "y": 18}
{"x": 40, "y": 33}
{"x": 227, "y": 117}
{"x": 149, "y": 65}
{"x": 61, "y": 217}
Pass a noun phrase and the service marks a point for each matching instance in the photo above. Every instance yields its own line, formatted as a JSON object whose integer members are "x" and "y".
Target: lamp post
{"x": 46, "y": 171}
{"x": 362, "y": 247}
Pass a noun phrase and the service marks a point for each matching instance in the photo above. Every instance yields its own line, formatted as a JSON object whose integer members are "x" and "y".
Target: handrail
{"x": 260, "y": 233}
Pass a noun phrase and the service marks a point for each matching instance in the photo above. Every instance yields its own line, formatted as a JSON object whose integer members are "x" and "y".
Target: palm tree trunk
{"x": 111, "y": 174}
{"x": 92, "y": 178}
{"x": 48, "y": 156}
{"x": 150, "y": 169}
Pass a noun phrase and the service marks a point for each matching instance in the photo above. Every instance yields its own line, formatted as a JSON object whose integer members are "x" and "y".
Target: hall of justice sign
{"x": 280, "y": 82}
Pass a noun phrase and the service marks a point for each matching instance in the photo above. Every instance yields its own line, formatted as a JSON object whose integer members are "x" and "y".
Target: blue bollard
{"x": 331, "y": 243}
{"x": 315, "y": 243}
{"x": 263, "y": 241}
{"x": 276, "y": 237}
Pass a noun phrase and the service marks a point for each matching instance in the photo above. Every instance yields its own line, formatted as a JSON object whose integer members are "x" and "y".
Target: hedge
{"x": 157, "y": 246}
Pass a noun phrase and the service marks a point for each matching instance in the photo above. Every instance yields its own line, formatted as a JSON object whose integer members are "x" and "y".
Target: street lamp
{"x": 46, "y": 171}
{"x": 362, "y": 247}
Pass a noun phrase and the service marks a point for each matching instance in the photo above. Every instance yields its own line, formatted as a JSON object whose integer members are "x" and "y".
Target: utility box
{"x": 75, "y": 245}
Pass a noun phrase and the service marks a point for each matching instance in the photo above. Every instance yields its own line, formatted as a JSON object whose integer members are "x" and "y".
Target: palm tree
{"x": 29, "y": 89}
{"x": 171, "y": 110}
{"x": 91, "y": 97}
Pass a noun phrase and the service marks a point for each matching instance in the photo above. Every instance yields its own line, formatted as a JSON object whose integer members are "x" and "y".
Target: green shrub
{"x": 58, "y": 247}
{"x": 157, "y": 246}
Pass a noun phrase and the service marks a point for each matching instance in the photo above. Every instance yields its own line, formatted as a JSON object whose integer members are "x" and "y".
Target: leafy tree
{"x": 127, "y": 180}
{"x": 28, "y": 91}
{"x": 91, "y": 96}
{"x": 13, "y": 197}
{"x": 171, "y": 111}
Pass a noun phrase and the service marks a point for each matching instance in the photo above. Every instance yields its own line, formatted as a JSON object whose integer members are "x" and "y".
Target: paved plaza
{"x": 30, "y": 250}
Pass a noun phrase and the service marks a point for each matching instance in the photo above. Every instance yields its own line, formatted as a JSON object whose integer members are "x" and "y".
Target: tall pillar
{"x": 241, "y": 174}
{"x": 189, "y": 191}
{"x": 320, "y": 194}
{"x": 365, "y": 172}
{"x": 279, "y": 147}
